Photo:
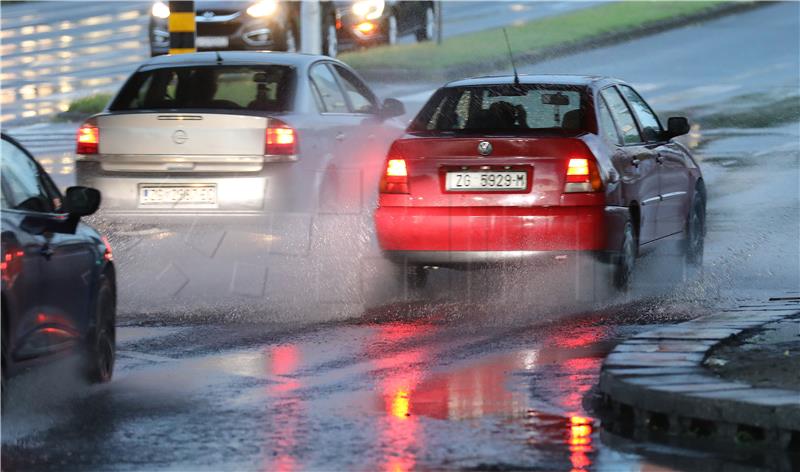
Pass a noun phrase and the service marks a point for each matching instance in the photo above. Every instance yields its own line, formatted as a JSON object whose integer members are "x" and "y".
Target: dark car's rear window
{"x": 267, "y": 88}
{"x": 504, "y": 108}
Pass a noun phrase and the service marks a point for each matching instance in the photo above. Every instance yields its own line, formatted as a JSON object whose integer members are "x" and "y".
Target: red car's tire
{"x": 694, "y": 242}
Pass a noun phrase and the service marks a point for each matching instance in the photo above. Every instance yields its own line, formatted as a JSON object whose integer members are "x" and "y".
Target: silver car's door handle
{"x": 340, "y": 137}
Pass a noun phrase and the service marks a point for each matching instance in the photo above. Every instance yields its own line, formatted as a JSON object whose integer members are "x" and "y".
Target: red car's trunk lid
{"x": 543, "y": 159}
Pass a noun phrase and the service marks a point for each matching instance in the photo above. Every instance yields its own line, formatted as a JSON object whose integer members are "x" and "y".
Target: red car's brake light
{"x": 395, "y": 179}
{"x": 582, "y": 176}
{"x": 88, "y": 139}
{"x": 281, "y": 139}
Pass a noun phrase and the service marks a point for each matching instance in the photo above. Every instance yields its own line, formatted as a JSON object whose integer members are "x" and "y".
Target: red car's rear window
{"x": 504, "y": 108}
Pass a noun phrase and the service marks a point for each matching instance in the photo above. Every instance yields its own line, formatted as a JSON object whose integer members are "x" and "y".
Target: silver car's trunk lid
{"x": 181, "y": 142}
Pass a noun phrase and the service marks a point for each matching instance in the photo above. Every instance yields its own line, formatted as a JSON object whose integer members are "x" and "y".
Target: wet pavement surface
{"x": 767, "y": 357}
{"x": 488, "y": 370}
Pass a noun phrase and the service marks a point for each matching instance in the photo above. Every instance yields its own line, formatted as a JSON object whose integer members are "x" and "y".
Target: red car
{"x": 548, "y": 167}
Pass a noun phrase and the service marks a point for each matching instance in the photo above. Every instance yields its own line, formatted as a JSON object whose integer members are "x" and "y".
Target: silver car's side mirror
{"x": 392, "y": 107}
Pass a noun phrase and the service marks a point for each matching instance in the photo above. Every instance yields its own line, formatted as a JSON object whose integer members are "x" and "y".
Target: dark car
{"x": 239, "y": 135}
{"x": 544, "y": 168}
{"x": 273, "y": 25}
{"x": 371, "y": 22}
{"x": 58, "y": 279}
{"x": 230, "y": 25}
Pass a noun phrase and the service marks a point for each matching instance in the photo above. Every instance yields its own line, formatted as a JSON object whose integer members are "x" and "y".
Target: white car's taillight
{"x": 87, "y": 139}
{"x": 281, "y": 139}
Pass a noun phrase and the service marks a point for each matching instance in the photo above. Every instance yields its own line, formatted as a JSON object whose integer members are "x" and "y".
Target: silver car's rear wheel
{"x": 625, "y": 260}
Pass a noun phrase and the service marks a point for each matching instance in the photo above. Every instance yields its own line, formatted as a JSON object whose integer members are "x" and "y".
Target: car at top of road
{"x": 494, "y": 169}
{"x": 231, "y": 25}
{"x": 58, "y": 275}
{"x": 355, "y": 24}
{"x": 258, "y": 25}
{"x": 237, "y": 134}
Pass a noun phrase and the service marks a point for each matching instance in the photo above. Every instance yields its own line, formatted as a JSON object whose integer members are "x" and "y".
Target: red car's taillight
{"x": 582, "y": 176}
{"x": 281, "y": 139}
{"x": 88, "y": 139}
{"x": 395, "y": 179}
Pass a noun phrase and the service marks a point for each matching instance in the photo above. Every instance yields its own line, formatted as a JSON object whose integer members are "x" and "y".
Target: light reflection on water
{"x": 37, "y": 51}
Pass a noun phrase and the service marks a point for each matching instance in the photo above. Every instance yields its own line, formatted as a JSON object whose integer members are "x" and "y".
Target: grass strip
{"x": 88, "y": 105}
{"x": 489, "y": 46}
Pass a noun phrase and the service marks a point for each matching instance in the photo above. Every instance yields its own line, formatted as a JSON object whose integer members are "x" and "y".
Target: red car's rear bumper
{"x": 501, "y": 229}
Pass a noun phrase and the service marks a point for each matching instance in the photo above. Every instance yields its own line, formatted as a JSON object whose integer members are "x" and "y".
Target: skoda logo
{"x": 208, "y": 14}
{"x": 485, "y": 148}
{"x": 179, "y": 137}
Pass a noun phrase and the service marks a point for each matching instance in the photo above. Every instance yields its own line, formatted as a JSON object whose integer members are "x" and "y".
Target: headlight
{"x": 160, "y": 10}
{"x": 369, "y": 9}
{"x": 262, "y": 8}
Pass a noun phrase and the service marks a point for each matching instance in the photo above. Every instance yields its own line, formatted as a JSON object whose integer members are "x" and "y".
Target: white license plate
{"x": 486, "y": 180}
{"x": 178, "y": 194}
{"x": 211, "y": 41}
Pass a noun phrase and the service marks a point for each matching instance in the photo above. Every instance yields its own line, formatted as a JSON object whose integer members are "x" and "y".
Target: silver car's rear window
{"x": 260, "y": 88}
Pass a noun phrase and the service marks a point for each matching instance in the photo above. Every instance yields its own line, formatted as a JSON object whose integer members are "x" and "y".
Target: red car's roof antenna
{"x": 511, "y": 58}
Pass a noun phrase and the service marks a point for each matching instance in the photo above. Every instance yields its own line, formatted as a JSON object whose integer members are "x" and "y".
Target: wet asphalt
{"x": 334, "y": 366}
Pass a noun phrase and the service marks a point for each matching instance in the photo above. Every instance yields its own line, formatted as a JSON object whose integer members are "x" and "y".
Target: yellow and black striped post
{"x": 181, "y": 27}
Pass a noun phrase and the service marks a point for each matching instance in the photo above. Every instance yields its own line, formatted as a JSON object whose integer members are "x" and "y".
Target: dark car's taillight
{"x": 88, "y": 139}
{"x": 281, "y": 139}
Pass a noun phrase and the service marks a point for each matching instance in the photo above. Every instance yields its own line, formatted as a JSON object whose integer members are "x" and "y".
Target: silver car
{"x": 237, "y": 134}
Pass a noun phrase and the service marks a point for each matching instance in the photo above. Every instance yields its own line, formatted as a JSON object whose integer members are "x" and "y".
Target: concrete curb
{"x": 597, "y": 41}
{"x": 656, "y": 381}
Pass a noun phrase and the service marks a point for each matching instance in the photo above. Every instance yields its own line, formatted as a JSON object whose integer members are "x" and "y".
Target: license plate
{"x": 486, "y": 180}
{"x": 211, "y": 41}
{"x": 183, "y": 194}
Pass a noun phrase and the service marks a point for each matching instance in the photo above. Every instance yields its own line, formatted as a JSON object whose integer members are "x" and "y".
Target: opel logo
{"x": 485, "y": 148}
{"x": 208, "y": 14}
{"x": 179, "y": 137}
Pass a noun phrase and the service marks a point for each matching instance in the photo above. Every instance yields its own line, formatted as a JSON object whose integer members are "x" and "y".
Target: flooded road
{"x": 493, "y": 370}
{"x": 368, "y": 395}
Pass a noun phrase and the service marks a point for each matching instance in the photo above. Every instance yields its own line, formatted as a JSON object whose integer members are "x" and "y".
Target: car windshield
{"x": 504, "y": 108}
{"x": 264, "y": 88}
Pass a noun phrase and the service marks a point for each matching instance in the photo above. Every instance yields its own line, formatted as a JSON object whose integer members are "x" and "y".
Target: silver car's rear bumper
{"x": 240, "y": 196}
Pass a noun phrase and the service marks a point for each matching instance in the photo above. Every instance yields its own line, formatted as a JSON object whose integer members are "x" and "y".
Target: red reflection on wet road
{"x": 399, "y": 435}
{"x": 481, "y": 389}
{"x": 283, "y": 361}
{"x": 580, "y": 442}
